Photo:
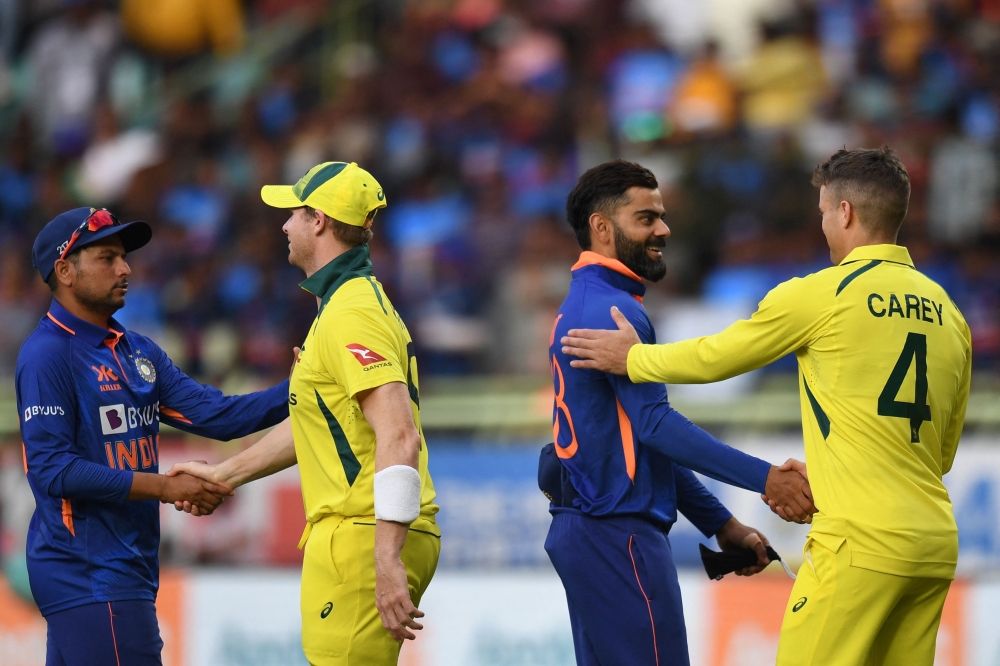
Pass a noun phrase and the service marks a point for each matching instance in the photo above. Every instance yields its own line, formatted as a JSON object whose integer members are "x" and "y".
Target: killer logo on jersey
{"x": 107, "y": 379}
{"x": 146, "y": 369}
{"x": 364, "y": 355}
{"x": 113, "y": 419}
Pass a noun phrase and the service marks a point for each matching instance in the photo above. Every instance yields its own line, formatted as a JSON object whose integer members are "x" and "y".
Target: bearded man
{"x": 627, "y": 455}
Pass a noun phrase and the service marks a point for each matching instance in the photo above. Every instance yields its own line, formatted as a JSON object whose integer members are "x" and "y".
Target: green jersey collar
{"x": 354, "y": 263}
{"x": 896, "y": 254}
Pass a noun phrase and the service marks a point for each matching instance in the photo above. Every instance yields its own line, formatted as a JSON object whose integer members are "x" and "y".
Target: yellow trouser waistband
{"x": 309, "y": 525}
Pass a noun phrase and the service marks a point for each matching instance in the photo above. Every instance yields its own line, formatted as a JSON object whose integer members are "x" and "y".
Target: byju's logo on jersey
{"x": 113, "y": 420}
{"x": 364, "y": 355}
{"x": 42, "y": 410}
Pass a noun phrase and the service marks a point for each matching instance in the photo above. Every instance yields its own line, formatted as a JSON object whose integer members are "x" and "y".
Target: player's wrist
{"x": 631, "y": 362}
{"x": 228, "y": 474}
{"x": 727, "y": 526}
{"x": 164, "y": 488}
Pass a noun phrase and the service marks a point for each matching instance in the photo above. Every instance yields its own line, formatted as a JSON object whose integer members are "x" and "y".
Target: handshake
{"x": 194, "y": 487}
{"x": 787, "y": 492}
{"x": 198, "y": 488}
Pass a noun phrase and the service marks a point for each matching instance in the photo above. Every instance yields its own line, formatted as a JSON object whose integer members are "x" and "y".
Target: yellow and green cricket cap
{"x": 345, "y": 192}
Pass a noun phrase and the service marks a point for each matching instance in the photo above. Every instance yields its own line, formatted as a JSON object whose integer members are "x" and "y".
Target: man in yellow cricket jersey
{"x": 885, "y": 362}
{"x": 371, "y": 542}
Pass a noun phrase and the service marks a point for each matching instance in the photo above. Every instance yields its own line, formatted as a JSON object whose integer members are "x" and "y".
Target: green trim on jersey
{"x": 325, "y": 282}
{"x": 850, "y": 278}
{"x": 821, "y": 418}
{"x": 347, "y": 457}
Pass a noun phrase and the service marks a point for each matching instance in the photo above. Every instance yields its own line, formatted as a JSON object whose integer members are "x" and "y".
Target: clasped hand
{"x": 788, "y": 494}
{"x": 206, "y": 490}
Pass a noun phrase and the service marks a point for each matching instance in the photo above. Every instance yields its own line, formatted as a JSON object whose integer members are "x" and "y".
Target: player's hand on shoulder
{"x": 734, "y": 535}
{"x": 604, "y": 350}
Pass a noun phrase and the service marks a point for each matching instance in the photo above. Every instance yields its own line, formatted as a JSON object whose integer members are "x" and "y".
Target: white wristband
{"x": 397, "y": 494}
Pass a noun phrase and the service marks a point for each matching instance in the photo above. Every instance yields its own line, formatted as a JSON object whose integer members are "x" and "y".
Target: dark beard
{"x": 633, "y": 255}
{"x": 105, "y": 304}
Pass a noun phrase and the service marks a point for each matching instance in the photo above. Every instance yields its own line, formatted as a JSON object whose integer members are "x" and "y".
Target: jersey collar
{"x": 896, "y": 254}
{"x": 612, "y": 271}
{"x": 89, "y": 333}
{"x": 322, "y": 284}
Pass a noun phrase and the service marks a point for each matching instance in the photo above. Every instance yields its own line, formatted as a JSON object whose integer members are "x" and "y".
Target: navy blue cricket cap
{"x": 78, "y": 228}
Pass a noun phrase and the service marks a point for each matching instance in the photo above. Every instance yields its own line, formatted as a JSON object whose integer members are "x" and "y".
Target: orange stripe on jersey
{"x": 552, "y": 336}
{"x": 173, "y": 414}
{"x": 60, "y": 324}
{"x": 67, "y": 516}
{"x": 24, "y": 457}
{"x": 628, "y": 443}
{"x": 589, "y": 258}
{"x": 111, "y": 344}
{"x": 568, "y": 451}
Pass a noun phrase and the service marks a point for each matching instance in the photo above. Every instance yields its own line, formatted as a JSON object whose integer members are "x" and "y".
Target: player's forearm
{"x": 389, "y": 540}
{"x": 274, "y": 452}
{"x": 696, "y": 361}
{"x": 85, "y": 480}
{"x": 697, "y": 504}
{"x": 668, "y": 431}
{"x": 782, "y": 324}
{"x": 147, "y": 486}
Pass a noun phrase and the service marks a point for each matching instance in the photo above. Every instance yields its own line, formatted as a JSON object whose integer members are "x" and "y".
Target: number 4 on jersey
{"x": 918, "y": 411}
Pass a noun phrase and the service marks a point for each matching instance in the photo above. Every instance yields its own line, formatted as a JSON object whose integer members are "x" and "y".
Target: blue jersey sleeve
{"x": 207, "y": 411}
{"x": 697, "y": 504}
{"x": 655, "y": 423}
{"x": 46, "y": 403}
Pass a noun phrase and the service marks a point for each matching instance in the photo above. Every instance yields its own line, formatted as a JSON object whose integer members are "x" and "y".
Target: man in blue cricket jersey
{"x": 90, "y": 397}
{"x": 627, "y": 453}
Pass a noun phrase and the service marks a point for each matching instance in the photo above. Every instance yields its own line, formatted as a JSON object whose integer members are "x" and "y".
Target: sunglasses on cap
{"x": 100, "y": 218}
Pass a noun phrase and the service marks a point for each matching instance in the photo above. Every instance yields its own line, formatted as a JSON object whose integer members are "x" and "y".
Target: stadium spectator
{"x": 480, "y": 116}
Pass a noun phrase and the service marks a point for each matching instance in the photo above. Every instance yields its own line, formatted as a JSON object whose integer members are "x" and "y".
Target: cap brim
{"x": 133, "y": 234}
{"x": 280, "y": 196}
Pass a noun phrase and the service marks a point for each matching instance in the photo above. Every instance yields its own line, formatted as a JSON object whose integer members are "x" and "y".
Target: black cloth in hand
{"x": 719, "y": 564}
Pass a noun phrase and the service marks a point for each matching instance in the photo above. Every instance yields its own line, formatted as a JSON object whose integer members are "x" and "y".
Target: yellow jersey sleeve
{"x": 953, "y": 430}
{"x": 365, "y": 347}
{"x": 789, "y": 317}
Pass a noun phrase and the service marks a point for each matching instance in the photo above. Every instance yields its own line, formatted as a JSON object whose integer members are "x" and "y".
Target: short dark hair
{"x": 53, "y": 281}
{"x": 348, "y": 234}
{"x": 603, "y": 189}
{"x": 875, "y": 183}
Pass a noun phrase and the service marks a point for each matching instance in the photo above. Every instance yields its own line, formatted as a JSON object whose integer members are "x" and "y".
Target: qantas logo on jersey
{"x": 364, "y": 355}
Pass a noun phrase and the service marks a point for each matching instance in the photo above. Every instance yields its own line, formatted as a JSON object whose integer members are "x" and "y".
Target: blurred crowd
{"x": 477, "y": 117}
